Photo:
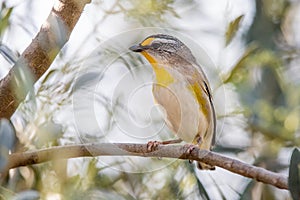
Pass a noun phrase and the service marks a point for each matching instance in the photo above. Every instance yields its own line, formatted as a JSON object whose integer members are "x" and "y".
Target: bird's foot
{"x": 190, "y": 148}
{"x": 152, "y": 145}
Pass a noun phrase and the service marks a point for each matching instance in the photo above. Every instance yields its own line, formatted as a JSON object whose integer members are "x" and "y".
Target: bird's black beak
{"x": 137, "y": 48}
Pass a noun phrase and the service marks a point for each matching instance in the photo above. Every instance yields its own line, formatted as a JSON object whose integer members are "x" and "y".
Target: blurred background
{"x": 98, "y": 91}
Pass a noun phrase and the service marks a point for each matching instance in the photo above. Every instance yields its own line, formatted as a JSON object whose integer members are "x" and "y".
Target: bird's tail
{"x": 207, "y": 145}
{"x": 203, "y": 166}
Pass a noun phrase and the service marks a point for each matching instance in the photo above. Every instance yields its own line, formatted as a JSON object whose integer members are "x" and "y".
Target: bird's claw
{"x": 190, "y": 148}
{"x": 152, "y": 145}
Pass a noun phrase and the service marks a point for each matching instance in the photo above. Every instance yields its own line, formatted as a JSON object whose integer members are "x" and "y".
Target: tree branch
{"x": 39, "y": 55}
{"x": 166, "y": 151}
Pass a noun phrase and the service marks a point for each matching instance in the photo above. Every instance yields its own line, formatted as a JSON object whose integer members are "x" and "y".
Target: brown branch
{"x": 39, "y": 55}
{"x": 129, "y": 149}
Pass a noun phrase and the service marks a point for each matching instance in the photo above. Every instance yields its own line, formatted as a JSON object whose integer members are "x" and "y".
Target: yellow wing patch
{"x": 198, "y": 94}
{"x": 147, "y": 41}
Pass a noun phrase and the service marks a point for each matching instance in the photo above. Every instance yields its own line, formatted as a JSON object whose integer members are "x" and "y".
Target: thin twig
{"x": 162, "y": 151}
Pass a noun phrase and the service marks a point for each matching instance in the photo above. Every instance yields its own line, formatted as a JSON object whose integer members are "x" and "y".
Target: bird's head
{"x": 164, "y": 49}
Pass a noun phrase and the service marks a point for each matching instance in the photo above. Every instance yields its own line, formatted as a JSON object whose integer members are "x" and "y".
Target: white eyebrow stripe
{"x": 162, "y": 40}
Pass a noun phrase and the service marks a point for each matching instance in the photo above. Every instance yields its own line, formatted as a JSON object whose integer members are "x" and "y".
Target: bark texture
{"x": 39, "y": 55}
{"x": 162, "y": 151}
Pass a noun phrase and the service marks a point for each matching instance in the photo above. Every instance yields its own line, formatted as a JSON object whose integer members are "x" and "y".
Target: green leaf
{"x": 240, "y": 64}
{"x": 49, "y": 75}
{"x": 23, "y": 79}
{"x": 294, "y": 175}
{"x": 232, "y": 28}
{"x": 5, "y": 14}
{"x": 7, "y": 141}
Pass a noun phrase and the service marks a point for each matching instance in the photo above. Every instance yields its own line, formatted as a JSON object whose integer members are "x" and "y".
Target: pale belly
{"x": 183, "y": 114}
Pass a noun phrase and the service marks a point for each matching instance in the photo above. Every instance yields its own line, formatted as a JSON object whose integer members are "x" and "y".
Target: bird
{"x": 182, "y": 90}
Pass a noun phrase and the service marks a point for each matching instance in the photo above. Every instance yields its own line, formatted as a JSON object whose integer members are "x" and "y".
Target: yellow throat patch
{"x": 162, "y": 75}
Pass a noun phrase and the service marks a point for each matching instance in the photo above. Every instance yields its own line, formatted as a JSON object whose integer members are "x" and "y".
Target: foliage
{"x": 294, "y": 174}
{"x": 4, "y": 17}
{"x": 7, "y": 141}
{"x": 232, "y": 28}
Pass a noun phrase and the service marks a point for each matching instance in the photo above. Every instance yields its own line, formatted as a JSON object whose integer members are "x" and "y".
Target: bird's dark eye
{"x": 156, "y": 45}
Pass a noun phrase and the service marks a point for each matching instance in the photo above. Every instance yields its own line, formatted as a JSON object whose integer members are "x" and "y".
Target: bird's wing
{"x": 208, "y": 91}
{"x": 203, "y": 82}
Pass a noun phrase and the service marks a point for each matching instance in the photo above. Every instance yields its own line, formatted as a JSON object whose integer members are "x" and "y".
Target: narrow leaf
{"x": 7, "y": 141}
{"x": 49, "y": 75}
{"x": 294, "y": 175}
{"x": 236, "y": 68}
{"x": 232, "y": 28}
{"x": 5, "y": 14}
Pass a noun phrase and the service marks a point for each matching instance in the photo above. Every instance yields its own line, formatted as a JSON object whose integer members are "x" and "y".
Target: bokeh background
{"x": 98, "y": 91}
